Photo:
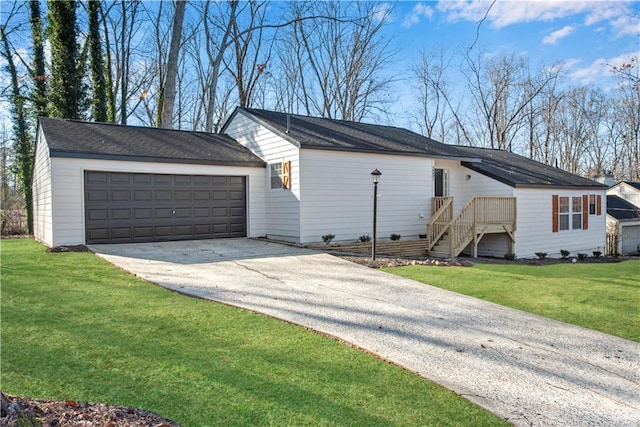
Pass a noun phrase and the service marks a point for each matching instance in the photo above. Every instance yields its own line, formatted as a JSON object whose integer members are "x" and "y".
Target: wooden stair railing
{"x": 442, "y": 208}
{"x": 481, "y": 215}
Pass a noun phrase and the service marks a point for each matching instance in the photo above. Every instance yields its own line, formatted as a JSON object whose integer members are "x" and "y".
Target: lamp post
{"x": 376, "y": 178}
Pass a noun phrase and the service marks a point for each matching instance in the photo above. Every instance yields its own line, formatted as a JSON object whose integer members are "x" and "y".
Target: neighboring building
{"x": 303, "y": 178}
{"x": 623, "y": 216}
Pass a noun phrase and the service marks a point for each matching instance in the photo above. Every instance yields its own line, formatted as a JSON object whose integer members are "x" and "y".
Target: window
{"x": 592, "y": 204}
{"x": 576, "y": 215}
{"x": 563, "y": 213}
{"x": 276, "y": 175}
{"x": 280, "y": 174}
{"x": 572, "y": 213}
{"x": 595, "y": 204}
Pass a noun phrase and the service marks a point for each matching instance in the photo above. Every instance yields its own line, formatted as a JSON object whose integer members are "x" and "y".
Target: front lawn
{"x": 600, "y": 296}
{"x": 76, "y": 328}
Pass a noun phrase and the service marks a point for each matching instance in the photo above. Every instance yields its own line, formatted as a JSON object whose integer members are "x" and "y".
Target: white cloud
{"x": 382, "y": 12}
{"x": 558, "y": 34}
{"x": 601, "y": 68}
{"x": 505, "y": 13}
{"x": 626, "y": 25}
{"x": 419, "y": 11}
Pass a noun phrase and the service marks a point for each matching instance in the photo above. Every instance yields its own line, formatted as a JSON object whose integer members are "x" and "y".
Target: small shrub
{"x": 395, "y": 236}
{"x": 581, "y": 257}
{"x": 596, "y": 254}
{"x": 541, "y": 255}
{"x": 564, "y": 253}
{"x": 510, "y": 257}
{"x": 364, "y": 238}
{"x": 327, "y": 238}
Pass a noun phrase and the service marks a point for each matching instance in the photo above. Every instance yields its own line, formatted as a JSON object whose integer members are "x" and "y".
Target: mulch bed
{"x": 383, "y": 262}
{"x": 20, "y": 411}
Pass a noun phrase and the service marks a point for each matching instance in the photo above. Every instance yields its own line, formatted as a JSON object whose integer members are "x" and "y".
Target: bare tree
{"x": 501, "y": 87}
{"x": 339, "y": 66}
{"x": 432, "y": 89}
{"x": 172, "y": 65}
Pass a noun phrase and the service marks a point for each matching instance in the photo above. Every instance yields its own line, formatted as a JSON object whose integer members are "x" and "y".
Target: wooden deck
{"x": 447, "y": 236}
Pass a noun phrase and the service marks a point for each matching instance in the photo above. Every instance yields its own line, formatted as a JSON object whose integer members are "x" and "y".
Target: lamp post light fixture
{"x": 376, "y": 179}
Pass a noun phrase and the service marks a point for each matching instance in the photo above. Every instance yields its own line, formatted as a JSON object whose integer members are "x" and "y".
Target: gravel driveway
{"x": 527, "y": 369}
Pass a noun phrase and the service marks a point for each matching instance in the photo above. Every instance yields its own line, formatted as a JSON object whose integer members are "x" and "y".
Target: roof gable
{"x": 71, "y": 138}
{"x": 519, "y": 171}
{"x": 631, "y": 185}
{"x": 620, "y": 208}
{"x": 339, "y": 135}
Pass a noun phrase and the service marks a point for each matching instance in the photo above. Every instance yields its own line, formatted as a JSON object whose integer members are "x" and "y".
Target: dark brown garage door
{"x": 136, "y": 207}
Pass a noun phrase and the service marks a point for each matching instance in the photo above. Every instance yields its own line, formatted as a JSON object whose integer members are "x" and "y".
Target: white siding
{"x": 42, "y": 212}
{"x": 67, "y": 174}
{"x": 282, "y": 206}
{"x": 462, "y": 189}
{"x": 534, "y": 224}
{"x": 337, "y": 195}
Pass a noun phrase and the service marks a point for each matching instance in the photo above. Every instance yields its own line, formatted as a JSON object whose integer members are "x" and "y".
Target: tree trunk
{"x": 172, "y": 66}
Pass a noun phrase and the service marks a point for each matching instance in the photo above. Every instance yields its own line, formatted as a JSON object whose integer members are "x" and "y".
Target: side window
{"x": 563, "y": 213}
{"x": 592, "y": 204}
{"x": 276, "y": 175}
{"x": 576, "y": 215}
{"x": 280, "y": 175}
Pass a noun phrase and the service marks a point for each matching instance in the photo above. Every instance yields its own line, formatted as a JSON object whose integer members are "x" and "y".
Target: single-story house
{"x": 296, "y": 178}
{"x": 623, "y": 215}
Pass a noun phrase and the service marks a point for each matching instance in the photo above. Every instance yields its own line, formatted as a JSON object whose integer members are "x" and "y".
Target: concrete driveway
{"x": 527, "y": 369}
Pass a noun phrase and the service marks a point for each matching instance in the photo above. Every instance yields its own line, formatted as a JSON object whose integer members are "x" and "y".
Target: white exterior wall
{"x": 534, "y": 233}
{"x": 42, "y": 211}
{"x": 282, "y": 206}
{"x": 67, "y": 175}
{"x": 463, "y": 190}
{"x": 337, "y": 198}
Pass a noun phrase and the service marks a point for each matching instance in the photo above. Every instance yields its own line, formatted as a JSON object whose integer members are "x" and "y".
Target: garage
{"x": 145, "y": 207}
{"x": 101, "y": 183}
{"x": 630, "y": 241}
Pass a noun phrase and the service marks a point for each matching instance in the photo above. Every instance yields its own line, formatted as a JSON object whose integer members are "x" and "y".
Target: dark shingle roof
{"x": 518, "y": 171}
{"x": 339, "y": 135}
{"x": 619, "y": 208}
{"x": 321, "y": 133}
{"x": 635, "y": 185}
{"x": 71, "y": 138}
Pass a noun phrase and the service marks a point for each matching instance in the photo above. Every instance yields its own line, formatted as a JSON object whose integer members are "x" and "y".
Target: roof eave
{"x": 393, "y": 153}
{"x": 147, "y": 159}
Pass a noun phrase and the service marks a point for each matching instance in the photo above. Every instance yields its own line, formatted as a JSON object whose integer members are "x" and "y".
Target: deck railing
{"x": 479, "y": 214}
{"x": 441, "y": 216}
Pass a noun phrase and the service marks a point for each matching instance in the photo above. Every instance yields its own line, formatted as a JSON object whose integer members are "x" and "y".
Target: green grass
{"x": 603, "y": 296}
{"x": 76, "y": 328}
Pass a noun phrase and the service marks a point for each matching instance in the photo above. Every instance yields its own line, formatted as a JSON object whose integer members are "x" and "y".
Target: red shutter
{"x": 598, "y": 205}
{"x": 585, "y": 212}
{"x": 555, "y": 221}
{"x": 286, "y": 175}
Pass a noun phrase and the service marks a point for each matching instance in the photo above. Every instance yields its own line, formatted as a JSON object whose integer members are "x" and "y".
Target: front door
{"x": 440, "y": 183}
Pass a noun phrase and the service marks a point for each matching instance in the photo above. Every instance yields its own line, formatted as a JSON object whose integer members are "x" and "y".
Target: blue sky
{"x": 582, "y": 35}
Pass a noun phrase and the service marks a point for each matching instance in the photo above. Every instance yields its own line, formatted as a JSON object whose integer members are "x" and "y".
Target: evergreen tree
{"x": 39, "y": 91}
{"x": 66, "y": 88}
{"x": 99, "y": 103}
